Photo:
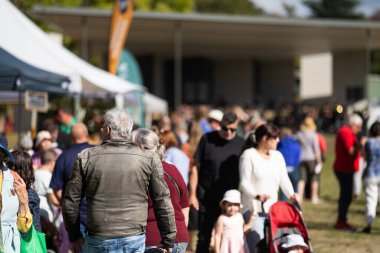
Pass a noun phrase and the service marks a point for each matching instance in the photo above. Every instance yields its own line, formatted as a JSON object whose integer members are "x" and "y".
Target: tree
{"x": 342, "y": 9}
{"x": 165, "y": 5}
{"x": 246, "y": 7}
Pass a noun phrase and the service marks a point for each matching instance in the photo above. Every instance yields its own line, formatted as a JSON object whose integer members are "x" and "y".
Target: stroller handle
{"x": 295, "y": 203}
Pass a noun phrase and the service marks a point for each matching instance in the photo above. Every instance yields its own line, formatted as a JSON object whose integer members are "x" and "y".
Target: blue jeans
{"x": 178, "y": 247}
{"x": 257, "y": 231}
{"x": 130, "y": 244}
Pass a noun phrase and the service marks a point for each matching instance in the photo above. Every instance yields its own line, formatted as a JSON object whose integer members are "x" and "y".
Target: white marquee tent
{"x": 22, "y": 38}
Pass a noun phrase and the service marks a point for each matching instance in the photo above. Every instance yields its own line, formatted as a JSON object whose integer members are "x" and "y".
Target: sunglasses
{"x": 224, "y": 128}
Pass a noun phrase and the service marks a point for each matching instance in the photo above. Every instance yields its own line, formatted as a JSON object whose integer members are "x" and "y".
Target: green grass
{"x": 321, "y": 218}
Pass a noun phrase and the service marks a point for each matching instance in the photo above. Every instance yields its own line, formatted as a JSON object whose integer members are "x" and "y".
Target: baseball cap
{"x": 215, "y": 115}
{"x": 41, "y": 136}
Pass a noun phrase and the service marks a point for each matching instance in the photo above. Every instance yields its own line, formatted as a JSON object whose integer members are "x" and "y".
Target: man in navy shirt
{"x": 64, "y": 165}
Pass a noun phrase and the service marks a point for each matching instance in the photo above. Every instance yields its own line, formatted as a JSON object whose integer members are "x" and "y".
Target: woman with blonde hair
{"x": 148, "y": 140}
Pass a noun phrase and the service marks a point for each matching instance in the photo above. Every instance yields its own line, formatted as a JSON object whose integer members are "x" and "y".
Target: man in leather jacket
{"x": 116, "y": 178}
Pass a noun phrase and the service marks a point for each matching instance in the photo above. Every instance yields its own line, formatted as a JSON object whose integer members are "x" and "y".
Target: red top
{"x": 153, "y": 236}
{"x": 322, "y": 143}
{"x": 344, "y": 162}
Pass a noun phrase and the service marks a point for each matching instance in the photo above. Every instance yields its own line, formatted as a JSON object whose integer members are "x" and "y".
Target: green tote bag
{"x": 34, "y": 242}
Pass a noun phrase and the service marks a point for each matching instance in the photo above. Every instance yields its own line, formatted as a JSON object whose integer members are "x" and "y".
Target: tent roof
{"x": 218, "y": 36}
{"x": 26, "y": 41}
{"x": 18, "y": 75}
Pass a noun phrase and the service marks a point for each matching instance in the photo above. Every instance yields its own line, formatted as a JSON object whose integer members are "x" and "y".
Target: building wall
{"x": 277, "y": 82}
{"x": 316, "y": 76}
{"x": 349, "y": 75}
{"x": 233, "y": 81}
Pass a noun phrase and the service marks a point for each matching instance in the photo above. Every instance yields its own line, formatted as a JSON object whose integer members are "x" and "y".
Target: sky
{"x": 368, "y": 7}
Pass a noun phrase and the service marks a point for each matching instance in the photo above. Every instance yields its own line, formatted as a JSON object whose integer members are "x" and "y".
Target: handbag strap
{"x": 175, "y": 184}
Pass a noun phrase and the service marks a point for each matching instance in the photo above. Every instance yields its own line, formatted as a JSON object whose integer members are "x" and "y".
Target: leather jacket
{"x": 116, "y": 177}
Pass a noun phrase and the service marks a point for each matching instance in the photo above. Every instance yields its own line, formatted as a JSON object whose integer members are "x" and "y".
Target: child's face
{"x": 231, "y": 208}
{"x": 297, "y": 249}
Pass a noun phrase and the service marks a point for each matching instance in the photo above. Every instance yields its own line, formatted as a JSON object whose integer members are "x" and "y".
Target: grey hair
{"x": 147, "y": 139}
{"x": 355, "y": 119}
{"x": 120, "y": 123}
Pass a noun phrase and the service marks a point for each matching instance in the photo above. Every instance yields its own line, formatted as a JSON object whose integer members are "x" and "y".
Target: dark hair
{"x": 229, "y": 118}
{"x": 375, "y": 129}
{"x": 24, "y": 166}
{"x": 48, "y": 155}
{"x": 254, "y": 138}
{"x": 66, "y": 109}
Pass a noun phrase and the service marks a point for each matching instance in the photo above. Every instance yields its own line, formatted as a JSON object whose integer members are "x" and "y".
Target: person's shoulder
{"x": 249, "y": 152}
{"x": 239, "y": 140}
{"x": 276, "y": 154}
{"x": 85, "y": 153}
{"x": 170, "y": 168}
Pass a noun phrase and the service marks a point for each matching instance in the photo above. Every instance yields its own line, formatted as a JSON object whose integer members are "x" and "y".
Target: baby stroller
{"x": 284, "y": 219}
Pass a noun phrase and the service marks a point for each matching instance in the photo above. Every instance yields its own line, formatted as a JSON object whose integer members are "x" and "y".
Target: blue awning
{"x": 18, "y": 75}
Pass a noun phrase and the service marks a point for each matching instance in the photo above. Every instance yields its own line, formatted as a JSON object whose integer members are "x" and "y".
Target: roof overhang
{"x": 218, "y": 36}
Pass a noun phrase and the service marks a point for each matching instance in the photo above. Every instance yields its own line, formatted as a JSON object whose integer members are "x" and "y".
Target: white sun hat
{"x": 215, "y": 115}
{"x": 294, "y": 240}
{"x": 232, "y": 196}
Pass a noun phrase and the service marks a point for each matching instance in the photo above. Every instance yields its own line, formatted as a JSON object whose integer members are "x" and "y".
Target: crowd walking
{"x": 146, "y": 190}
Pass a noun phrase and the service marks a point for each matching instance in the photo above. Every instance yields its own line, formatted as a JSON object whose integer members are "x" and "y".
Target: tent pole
{"x": 368, "y": 66}
{"x": 177, "y": 65}
{"x": 76, "y": 105}
{"x": 19, "y": 117}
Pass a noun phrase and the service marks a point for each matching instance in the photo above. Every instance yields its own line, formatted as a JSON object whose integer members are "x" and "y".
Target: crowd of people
{"x": 209, "y": 171}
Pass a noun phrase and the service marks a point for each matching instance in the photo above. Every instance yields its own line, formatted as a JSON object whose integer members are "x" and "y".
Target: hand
{"x": 294, "y": 197}
{"x": 263, "y": 197}
{"x": 20, "y": 189}
{"x": 77, "y": 245}
{"x": 165, "y": 248}
{"x": 193, "y": 201}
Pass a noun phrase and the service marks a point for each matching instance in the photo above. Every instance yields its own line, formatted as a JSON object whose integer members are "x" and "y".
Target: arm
{"x": 58, "y": 195}
{"x": 163, "y": 208}
{"x": 185, "y": 212}
{"x": 24, "y": 218}
{"x": 218, "y": 234}
{"x": 317, "y": 149}
{"x": 53, "y": 199}
{"x": 245, "y": 171}
{"x": 193, "y": 183}
{"x": 247, "y": 226}
{"x": 71, "y": 202}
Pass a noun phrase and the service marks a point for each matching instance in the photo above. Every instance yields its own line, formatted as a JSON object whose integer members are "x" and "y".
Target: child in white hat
{"x": 294, "y": 244}
{"x": 230, "y": 226}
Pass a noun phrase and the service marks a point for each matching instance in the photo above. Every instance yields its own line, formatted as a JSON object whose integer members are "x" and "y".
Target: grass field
{"x": 321, "y": 218}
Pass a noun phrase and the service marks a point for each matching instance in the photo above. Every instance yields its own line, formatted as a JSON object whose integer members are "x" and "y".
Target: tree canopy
{"x": 341, "y": 9}
{"x": 245, "y": 7}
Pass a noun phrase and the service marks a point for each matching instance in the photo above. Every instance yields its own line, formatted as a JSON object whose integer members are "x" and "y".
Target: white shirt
{"x": 42, "y": 187}
{"x": 259, "y": 175}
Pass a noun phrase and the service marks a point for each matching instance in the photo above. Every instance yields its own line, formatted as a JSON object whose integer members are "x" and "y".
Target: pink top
{"x": 233, "y": 235}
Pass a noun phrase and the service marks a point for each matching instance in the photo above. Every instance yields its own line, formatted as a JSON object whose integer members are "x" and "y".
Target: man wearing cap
{"x": 216, "y": 170}
{"x": 116, "y": 178}
{"x": 347, "y": 155}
